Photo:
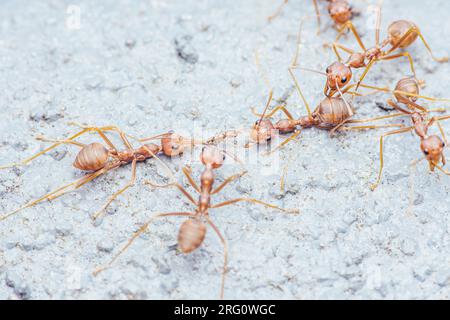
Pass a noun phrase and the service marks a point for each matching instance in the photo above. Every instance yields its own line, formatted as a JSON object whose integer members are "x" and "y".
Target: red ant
{"x": 340, "y": 11}
{"x": 401, "y": 34}
{"x": 193, "y": 230}
{"x": 407, "y": 92}
{"x": 98, "y": 159}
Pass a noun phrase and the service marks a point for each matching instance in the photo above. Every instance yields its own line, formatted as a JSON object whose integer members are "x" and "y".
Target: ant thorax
{"x": 373, "y": 53}
{"x": 419, "y": 125}
{"x": 356, "y": 60}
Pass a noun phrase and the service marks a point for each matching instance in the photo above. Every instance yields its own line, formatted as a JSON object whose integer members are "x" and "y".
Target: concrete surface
{"x": 150, "y": 66}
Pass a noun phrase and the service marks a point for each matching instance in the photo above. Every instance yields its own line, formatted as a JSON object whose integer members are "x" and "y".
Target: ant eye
{"x": 426, "y": 152}
{"x": 224, "y": 157}
{"x": 203, "y": 149}
{"x": 344, "y": 80}
{"x": 443, "y": 144}
{"x": 328, "y": 70}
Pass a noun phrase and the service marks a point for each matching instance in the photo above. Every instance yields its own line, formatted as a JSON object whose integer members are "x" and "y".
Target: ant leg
{"x": 285, "y": 142}
{"x": 284, "y": 174}
{"x": 188, "y": 173}
{"x": 141, "y": 230}
{"x": 225, "y": 254}
{"x": 118, "y": 193}
{"x": 76, "y": 143}
{"x": 441, "y": 130}
{"x": 378, "y": 24}
{"x": 387, "y": 90}
{"x": 78, "y": 134}
{"x": 368, "y": 67}
{"x": 227, "y": 181}
{"x": 159, "y": 136}
{"x": 442, "y": 118}
{"x": 403, "y": 130}
{"x": 337, "y": 46}
{"x": 316, "y": 8}
{"x": 349, "y": 25}
{"x": 103, "y": 128}
{"x": 125, "y": 141}
{"x": 103, "y": 136}
{"x": 294, "y": 65}
{"x": 176, "y": 184}
{"x": 397, "y": 107}
{"x": 271, "y": 113}
{"x": 376, "y": 89}
{"x": 375, "y": 118}
{"x": 446, "y": 172}
{"x": 370, "y": 127}
{"x": 421, "y": 97}
{"x": 255, "y": 201}
{"x": 444, "y": 137}
{"x": 100, "y": 131}
{"x": 277, "y": 13}
{"x": 402, "y": 54}
{"x": 58, "y": 192}
{"x": 299, "y": 90}
{"x": 337, "y": 128}
{"x": 416, "y": 30}
{"x": 28, "y": 160}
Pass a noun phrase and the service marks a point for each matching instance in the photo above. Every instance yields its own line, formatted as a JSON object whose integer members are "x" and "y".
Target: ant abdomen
{"x": 331, "y": 112}
{"x": 397, "y": 30}
{"x": 191, "y": 235}
{"x": 92, "y": 157}
{"x": 407, "y": 85}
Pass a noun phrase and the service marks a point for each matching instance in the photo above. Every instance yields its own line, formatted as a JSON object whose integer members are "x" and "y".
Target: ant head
{"x": 262, "y": 131}
{"x": 338, "y": 74}
{"x": 173, "y": 144}
{"x": 432, "y": 147}
{"x": 340, "y": 11}
{"x": 212, "y": 156}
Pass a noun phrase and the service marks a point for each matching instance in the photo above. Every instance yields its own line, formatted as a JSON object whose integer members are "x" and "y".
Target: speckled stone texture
{"x": 154, "y": 65}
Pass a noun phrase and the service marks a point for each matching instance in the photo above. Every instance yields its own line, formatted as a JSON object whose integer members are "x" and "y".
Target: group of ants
{"x": 333, "y": 113}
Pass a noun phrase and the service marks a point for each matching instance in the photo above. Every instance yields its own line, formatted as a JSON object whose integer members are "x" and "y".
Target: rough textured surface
{"x": 150, "y": 66}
